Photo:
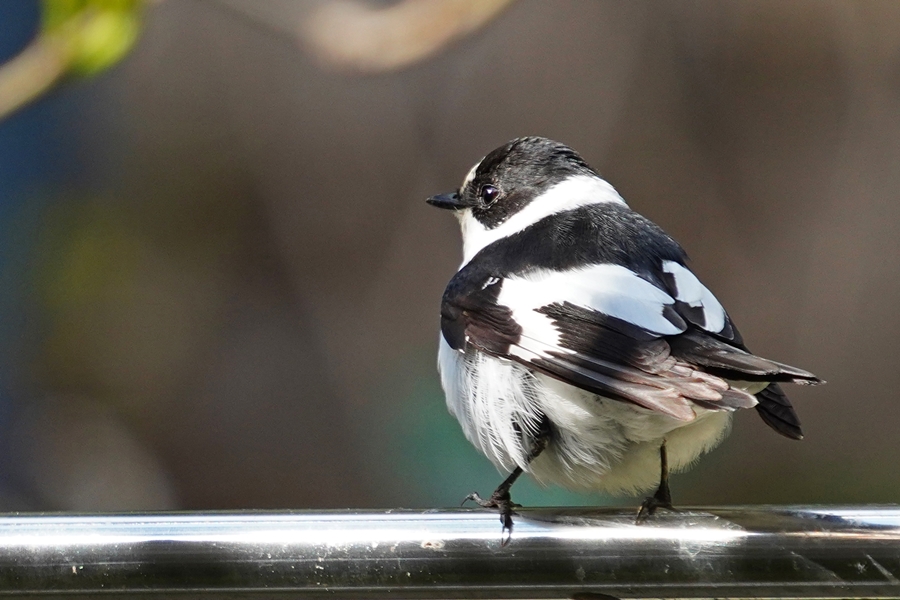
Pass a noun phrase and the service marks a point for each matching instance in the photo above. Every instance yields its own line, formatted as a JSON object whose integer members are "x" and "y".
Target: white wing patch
{"x": 610, "y": 289}
{"x": 695, "y": 294}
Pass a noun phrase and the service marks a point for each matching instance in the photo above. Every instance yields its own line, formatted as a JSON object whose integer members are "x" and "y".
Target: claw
{"x": 500, "y": 498}
{"x": 649, "y": 507}
{"x": 506, "y": 519}
{"x": 474, "y": 497}
{"x": 477, "y": 499}
{"x": 501, "y": 501}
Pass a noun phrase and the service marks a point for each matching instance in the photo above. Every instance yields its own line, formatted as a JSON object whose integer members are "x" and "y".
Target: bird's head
{"x": 518, "y": 184}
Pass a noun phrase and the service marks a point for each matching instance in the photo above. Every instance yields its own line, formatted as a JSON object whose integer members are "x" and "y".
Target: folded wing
{"x": 668, "y": 346}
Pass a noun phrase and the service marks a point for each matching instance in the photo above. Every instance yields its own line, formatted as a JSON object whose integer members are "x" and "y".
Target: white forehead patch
{"x": 470, "y": 175}
{"x": 571, "y": 193}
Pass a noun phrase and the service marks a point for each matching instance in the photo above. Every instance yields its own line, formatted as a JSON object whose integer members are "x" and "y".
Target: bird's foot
{"x": 661, "y": 499}
{"x": 649, "y": 508}
{"x": 501, "y": 501}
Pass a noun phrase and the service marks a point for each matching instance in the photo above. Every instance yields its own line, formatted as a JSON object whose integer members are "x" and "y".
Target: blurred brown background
{"x": 226, "y": 293}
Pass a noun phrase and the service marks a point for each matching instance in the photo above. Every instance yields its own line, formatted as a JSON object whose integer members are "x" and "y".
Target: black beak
{"x": 449, "y": 201}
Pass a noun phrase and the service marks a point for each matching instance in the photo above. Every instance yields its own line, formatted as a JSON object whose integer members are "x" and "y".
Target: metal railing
{"x": 799, "y": 552}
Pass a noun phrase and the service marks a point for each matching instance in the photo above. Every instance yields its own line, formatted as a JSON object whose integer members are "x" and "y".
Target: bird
{"x": 576, "y": 343}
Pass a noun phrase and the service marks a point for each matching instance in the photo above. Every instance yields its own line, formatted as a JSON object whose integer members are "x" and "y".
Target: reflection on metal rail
{"x": 799, "y": 552}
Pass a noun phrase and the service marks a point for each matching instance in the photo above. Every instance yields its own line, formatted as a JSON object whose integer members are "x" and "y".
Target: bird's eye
{"x": 488, "y": 194}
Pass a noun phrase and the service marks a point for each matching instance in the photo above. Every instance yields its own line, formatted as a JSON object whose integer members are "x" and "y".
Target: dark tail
{"x": 776, "y": 410}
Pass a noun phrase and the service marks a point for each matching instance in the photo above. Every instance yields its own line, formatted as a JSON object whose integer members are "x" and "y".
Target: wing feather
{"x": 717, "y": 356}
{"x": 610, "y": 331}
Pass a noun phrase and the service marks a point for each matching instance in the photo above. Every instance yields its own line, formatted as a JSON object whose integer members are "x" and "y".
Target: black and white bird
{"x": 577, "y": 345}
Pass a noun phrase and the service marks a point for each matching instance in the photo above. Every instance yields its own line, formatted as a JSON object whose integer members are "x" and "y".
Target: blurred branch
{"x": 351, "y": 35}
{"x": 354, "y": 36}
{"x": 32, "y": 72}
{"x": 81, "y": 37}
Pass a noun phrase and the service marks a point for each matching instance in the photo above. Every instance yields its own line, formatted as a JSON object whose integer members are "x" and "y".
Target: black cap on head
{"x": 508, "y": 178}
{"x": 531, "y": 161}
{"x": 517, "y": 172}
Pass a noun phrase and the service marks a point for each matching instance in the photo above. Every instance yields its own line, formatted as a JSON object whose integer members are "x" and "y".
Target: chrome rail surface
{"x": 765, "y": 551}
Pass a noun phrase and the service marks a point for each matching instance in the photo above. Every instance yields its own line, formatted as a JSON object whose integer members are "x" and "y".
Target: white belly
{"x": 598, "y": 444}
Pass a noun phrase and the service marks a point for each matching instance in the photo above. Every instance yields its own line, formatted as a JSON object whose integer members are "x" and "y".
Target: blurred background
{"x": 219, "y": 283}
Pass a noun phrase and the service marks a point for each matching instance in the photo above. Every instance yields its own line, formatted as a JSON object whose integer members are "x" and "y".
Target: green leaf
{"x": 96, "y": 33}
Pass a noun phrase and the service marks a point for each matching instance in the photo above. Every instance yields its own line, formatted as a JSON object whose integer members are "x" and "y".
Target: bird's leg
{"x": 663, "y": 497}
{"x": 501, "y": 499}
